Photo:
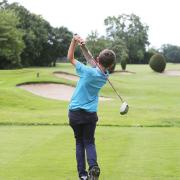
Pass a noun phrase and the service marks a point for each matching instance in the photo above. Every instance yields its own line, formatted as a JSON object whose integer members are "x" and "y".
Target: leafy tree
{"x": 36, "y": 35}
{"x": 44, "y": 44}
{"x": 130, "y": 30}
{"x": 11, "y": 43}
{"x": 171, "y": 52}
{"x": 60, "y": 39}
{"x": 3, "y": 4}
{"x": 119, "y": 47}
{"x": 148, "y": 54}
{"x": 36, "y": 31}
{"x": 96, "y": 44}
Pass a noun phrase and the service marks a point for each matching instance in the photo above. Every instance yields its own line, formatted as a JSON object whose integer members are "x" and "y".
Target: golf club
{"x": 88, "y": 56}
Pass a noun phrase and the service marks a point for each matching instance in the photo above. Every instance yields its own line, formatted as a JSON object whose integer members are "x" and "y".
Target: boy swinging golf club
{"x": 83, "y": 106}
{"x": 88, "y": 56}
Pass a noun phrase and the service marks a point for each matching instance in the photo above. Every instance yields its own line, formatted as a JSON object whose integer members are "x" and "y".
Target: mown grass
{"x": 47, "y": 152}
{"x": 143, "y": 145}
{"x": 152, "y": 97}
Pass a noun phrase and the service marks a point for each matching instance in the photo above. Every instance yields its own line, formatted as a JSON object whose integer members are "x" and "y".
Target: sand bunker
{"x": 172, "y": 72}
{"x": 66, "y": 76}
{"x": 53, "y": 91}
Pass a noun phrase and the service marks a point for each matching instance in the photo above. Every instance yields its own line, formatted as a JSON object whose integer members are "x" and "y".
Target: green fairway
{"x": 36, "y": 142}
{"x": 44, "y": 153}
{"x": 152, "y": 97}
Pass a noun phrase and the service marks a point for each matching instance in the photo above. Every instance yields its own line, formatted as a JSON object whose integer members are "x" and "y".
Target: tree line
{"x": 27, "y": 39}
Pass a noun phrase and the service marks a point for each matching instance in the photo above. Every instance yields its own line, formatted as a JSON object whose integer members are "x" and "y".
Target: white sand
{"x": 172, "y": 72}
{"x": 67, "y": 76}
{"x": 53, "y": 91}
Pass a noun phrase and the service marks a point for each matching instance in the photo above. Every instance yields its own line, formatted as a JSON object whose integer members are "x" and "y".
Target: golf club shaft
{"x": 90, "y": 58}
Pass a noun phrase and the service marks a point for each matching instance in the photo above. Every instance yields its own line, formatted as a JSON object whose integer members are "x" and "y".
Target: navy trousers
{"x": 84, "y": 125}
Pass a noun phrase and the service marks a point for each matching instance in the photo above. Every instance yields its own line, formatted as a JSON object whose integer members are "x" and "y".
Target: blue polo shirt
{"x": 86, "y": 92}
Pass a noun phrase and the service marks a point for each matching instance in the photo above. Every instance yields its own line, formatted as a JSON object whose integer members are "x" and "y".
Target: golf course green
{"x": 36, "y": 142}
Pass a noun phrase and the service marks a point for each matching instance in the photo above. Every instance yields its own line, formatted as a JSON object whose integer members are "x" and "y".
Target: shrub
{"x": 123, "y": 64}
{"x": 157, "y": 63}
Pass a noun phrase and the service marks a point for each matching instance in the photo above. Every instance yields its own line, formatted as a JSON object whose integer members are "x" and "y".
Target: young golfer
{"x": 83, "y": 107}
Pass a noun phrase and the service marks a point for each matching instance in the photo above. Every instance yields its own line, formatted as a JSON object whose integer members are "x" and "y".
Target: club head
{"x": 124, "y": 108}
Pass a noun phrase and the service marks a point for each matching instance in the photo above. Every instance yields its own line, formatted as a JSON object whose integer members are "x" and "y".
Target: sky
{"x": 84, "y": 16}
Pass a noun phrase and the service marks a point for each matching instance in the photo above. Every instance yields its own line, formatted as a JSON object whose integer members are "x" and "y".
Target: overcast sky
{"x": 82, "y": 16}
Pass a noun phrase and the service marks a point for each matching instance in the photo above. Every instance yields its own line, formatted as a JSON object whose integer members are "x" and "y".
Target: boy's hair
{"x": 107, "y": 58}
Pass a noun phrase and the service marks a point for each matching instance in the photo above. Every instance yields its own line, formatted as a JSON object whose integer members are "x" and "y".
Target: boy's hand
{"x": 79, "y": 40}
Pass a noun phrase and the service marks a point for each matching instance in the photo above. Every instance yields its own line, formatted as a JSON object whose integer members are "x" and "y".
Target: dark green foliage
{"x": 157, "y": 63}
{"x": 43, "y": 43}
{"x": 171, "y": 52}
{"x": 148, "y": 54}
{"x": 36, "y": 31}
{"x": 3, "y": 4}
{"x": 11, "y": 43}
{"x": 133, "y": 33}
{"x": 96, "y": 44}
{"x": 60, "y": 38}
{"x": 121, "y": 51}
{"x": 123, "y": 64}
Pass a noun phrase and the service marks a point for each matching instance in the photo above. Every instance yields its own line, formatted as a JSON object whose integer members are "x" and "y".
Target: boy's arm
{"x": 71, "y": 50}
{"x": 88, "y": 56}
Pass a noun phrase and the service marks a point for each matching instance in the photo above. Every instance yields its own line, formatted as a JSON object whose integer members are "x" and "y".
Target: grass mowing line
{"x": 100, "y": 125}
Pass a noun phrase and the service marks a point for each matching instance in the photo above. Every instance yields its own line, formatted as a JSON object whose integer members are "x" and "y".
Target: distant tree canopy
{"x": 171, "y": 52}
{"x": 60, "y": 38}
{"x": 36, "y": 42}
{"x": 3, "y": 3}
{"x": 43, "y": 43}
{"x": 96, "y": 44}
{"x": 11, "y": 43}
{"x": 26, "y": 39}
{"x": 129, "y": 34}
{"x": 126, "y": 35}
